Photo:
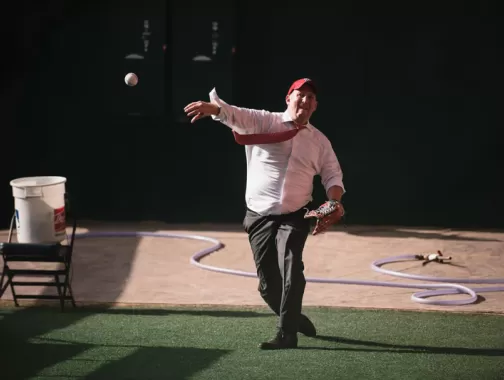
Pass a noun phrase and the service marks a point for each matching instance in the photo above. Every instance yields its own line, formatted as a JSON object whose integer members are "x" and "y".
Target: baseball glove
{"x": 326, "y": 214}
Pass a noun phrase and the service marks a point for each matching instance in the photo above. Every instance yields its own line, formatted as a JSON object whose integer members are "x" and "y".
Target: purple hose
{"x": 452, "y": 287}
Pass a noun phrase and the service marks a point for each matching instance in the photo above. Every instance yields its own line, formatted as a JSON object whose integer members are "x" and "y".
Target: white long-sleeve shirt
{"x": 280, "y": 176}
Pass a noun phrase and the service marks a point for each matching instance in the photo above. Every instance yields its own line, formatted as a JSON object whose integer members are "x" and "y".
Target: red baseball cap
{"x": 300, "y": 82}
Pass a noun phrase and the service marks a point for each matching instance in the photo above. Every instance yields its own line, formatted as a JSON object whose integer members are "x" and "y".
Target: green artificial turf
{"x": 206, "y": 343}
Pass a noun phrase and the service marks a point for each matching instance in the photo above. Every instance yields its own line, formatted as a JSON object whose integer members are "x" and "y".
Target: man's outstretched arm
{"x": 239, "y": 119}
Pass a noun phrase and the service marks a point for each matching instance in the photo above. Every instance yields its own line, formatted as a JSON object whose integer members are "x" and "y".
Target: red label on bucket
{"x": 59, "y": 220}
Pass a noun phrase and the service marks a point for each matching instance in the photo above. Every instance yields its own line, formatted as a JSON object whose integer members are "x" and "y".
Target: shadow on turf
{"x": 26, "y": 360}
{"x": 28, "y": 351}
{"x": 224, "y": 313}
{"x": 401, "y": 348}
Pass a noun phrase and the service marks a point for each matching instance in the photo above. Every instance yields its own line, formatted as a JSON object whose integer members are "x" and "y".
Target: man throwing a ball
{"x": 284, "y": 153}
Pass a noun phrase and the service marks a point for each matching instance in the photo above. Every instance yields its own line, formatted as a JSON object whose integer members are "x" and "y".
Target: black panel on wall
{"x": 202, "y": 54}
{"x": 100, "y": 44}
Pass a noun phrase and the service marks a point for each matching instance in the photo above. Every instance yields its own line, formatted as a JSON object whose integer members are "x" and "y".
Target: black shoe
{"x": 306, "y": 327}
{"x": 281, "y": 341}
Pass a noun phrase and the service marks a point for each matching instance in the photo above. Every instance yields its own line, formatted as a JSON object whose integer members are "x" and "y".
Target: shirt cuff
{"x": 214, "y": 99}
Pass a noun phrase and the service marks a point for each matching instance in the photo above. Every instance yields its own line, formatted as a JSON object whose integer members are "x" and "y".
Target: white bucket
{"x": 40, "y": 209}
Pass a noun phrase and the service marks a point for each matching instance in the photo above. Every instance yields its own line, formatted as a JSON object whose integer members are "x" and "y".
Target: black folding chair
{"x": 39, "y": 253}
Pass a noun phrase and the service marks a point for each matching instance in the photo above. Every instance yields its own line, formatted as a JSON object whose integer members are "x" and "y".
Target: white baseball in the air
{"x": 131, "y": 79}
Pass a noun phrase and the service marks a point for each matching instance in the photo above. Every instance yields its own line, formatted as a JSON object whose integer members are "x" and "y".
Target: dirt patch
{"x": 152, "y": 270}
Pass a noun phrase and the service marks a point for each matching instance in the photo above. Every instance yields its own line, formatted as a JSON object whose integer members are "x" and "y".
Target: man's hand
{"x": 200, "y": 110}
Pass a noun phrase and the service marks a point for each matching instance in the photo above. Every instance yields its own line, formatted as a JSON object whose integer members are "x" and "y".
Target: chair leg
{"x": 68, "y": 288}
{"x": 70, "y": 293}
{"x": 60, "y": 293}
{"x": 14, "y": 296}
{"x": 2, "y": 286}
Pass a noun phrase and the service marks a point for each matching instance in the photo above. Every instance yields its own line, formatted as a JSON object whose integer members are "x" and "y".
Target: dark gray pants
{"x": 277, "y": 242}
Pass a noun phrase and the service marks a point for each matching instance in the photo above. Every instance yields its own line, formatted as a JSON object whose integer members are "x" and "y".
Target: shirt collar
{"x": 287, "y": 119}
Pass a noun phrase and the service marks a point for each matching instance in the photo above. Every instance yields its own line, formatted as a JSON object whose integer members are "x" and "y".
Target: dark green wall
{"x": 410, "y": 104}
